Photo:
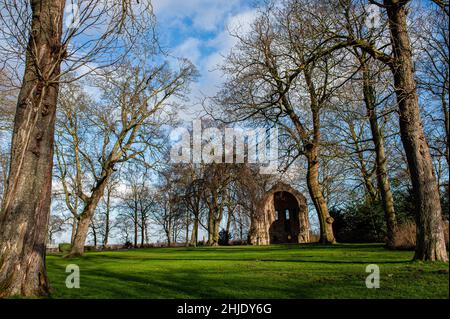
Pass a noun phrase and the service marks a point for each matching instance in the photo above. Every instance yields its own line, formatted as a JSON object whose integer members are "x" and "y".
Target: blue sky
{"x": 199, "y": 30}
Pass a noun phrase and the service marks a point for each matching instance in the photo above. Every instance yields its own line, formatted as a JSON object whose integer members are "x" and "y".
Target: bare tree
{"x": 217, "y": 179}
{"x": 137, "y": 202}
{"x": 430, "y": 236}
{"x": 266, "y": 84}
{"x": 333, "y": 32}
{"x": 107, "y": 207}
{"x": 34, "y": 34}
{"x": 127, "y": 121}
{"x": 56, "y": 224}
{"x": 195, "y": 205}
{"x": 430, "y": 243}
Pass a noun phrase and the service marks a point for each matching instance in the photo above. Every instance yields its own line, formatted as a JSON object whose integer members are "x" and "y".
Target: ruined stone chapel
{"x": 282, "y": 217}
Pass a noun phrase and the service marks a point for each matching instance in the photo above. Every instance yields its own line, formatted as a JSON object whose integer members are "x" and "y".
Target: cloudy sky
{"x": 199, "y": 30}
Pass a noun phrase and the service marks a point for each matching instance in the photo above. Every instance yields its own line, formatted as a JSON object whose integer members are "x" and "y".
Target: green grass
{"x": 281, "y": 271}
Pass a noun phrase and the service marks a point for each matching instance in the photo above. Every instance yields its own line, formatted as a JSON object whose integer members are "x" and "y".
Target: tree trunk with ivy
{"x": 26, "y": 206}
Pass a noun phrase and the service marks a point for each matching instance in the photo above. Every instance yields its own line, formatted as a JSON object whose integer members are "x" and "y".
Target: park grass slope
{"x": 280, "y": 271}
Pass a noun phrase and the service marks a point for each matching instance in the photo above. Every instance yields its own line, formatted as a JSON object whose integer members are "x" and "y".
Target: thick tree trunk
{"x": 312, "y": 175}
{"x": 106, "y": 237}
{"x": 81, "y": 235}
{"x": 228, "y": 228}
{"x": 241, "y": 222}
{"x": 26, "y": 205}
{"x": 87, "y": 214}
{"x": 194, "y": 233}
{"x": 384, "y": 186}
{"x": 187, "y": 230}
{"x": 214, "y": 219}
{"x": 430, "y": 244}
{"x": 94, "y": 234}
{"x": 215, "y": 233}
{"x": 446, "y": 122}
{"x": 146, "y": 234}
{"x": 74, "y": 230}
{"x": 169, "y": 238}
{"x": 107, "y": 217}
{"x": 142, "y": 230}
{"x": 210, "y": 227}
{"x": 325, "y": 220}
{"x": 311, "y": 150}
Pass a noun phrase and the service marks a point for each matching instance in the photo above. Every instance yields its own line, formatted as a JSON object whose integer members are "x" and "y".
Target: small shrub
{"x": 239, "y": 242}
{"x": 64, "y": 248}
{"x": 359, "y": 223}
{"x": 224, "y": 238}
{"x": 90, "y": 248}
{"x": 128, "y": 245}
{"x": 405, "y": 236}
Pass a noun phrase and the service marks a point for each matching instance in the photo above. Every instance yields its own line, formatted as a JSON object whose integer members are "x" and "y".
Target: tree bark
{"x": 384, "y": 186}
{"x": 107, "y": 217}
{"x": 146, "y": 234}
{"x": 143, "y": 225}
{"x": 214, "y": 219}
{"x": 446, "y": 122}
{"x": 312, "y": 175}
{"x": 26, "y": 205}
{"x": 228, "y": 228}
{"x": 169, "y": 234}
{"x": 215, "y": 233}
{"x": 430, "y": 244}
{"x": 106, "y": 237}
{"x": 94, "y": 233}
{"x": 81, "y": 235}
{"x": 325, "y": 220}
{"x": 136, "y": 228}
{"x": 194, "y": 233}
{"x": 210, "y": 227}
{"x": 87, "y": 214}
{"x": 74, "y": 230}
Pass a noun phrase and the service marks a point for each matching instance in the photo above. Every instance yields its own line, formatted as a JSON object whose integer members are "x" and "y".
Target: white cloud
{"x": 199, "y": 30}
{"x": 206, "y": 15}
{"x": 222, "y": 45}
{"x": 190, "y": 49}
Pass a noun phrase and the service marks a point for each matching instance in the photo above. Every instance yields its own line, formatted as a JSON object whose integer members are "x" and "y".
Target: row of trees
{"x": 305, "y": 64}
{"x": 361, "y": 105}
{"x": 185, "y": 202}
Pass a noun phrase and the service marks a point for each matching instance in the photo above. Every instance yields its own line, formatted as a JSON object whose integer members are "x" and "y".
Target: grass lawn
{"x": 280, "y": 271}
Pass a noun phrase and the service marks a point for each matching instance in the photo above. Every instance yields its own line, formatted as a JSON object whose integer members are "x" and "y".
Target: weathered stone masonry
{"x": 282, "y": 217}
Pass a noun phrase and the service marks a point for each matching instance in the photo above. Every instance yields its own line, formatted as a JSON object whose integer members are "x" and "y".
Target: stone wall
{"x": 273, "y": 224}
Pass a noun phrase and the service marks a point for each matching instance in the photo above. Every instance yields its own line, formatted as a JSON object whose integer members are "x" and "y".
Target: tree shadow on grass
{"x": 191, "y": 284}
{"x": 320, "y": 261}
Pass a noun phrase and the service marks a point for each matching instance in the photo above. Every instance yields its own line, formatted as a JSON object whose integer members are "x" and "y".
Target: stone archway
{"x": 282, "y": 217}
{"x": 286, "y": 227}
